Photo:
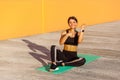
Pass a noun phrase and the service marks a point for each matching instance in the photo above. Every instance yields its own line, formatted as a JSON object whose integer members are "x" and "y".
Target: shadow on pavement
{"x": 40, "y": 57}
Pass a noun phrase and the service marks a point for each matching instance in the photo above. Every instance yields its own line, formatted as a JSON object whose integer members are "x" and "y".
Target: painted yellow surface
{"x": 88, "y": 12}
{"x": 20, "y": 18}
{"x": 27, "y": 17}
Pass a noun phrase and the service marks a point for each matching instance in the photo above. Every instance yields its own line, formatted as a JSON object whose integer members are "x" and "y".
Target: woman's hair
{"x": 72, "y": 17}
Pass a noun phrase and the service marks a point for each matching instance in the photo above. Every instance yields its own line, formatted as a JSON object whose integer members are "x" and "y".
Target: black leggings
{"x": 57, "y": 56}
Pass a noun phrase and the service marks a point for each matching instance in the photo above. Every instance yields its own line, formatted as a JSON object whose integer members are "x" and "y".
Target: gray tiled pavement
{"x": 20, "y": 57}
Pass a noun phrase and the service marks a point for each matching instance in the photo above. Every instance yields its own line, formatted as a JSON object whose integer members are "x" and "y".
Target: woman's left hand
{"x": 83, "y": 26}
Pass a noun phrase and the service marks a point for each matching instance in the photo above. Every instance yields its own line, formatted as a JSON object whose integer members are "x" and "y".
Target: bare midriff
{"x": 68, "y": 47}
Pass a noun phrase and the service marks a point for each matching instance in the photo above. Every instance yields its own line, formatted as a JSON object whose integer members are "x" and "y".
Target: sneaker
{"x": 53, "y": 67}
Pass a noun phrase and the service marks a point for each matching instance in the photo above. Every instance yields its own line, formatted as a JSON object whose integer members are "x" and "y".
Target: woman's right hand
{"x": 69, "y": 34}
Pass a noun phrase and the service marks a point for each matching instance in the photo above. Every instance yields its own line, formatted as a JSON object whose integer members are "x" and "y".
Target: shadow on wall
{"x": 40, "y": 57}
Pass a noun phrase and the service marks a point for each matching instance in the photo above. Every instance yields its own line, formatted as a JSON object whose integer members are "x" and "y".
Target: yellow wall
{"x": 27, "y": 17}
{"x": 20, "y": 18}
{"x": 87, "y": 11}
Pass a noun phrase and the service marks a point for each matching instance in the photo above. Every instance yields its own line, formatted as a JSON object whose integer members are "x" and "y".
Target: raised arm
{"x": 81, "y": 34}
{"x": 64, "y": 36}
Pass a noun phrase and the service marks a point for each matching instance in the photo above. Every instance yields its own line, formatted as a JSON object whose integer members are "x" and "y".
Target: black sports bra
{"x": 72, "y": 41}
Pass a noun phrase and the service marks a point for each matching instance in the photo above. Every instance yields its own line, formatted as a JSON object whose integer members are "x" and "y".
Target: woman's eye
{"x": 74, "y": 22}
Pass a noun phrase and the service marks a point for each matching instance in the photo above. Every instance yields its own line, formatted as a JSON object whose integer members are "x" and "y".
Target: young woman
{"x": 70, "y": 38}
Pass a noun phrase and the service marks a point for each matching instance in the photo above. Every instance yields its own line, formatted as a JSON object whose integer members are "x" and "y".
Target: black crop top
{"x": 72, "y": 41}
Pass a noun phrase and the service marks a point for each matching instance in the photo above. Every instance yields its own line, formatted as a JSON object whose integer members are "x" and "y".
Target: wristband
{"x": 82, "y": 30}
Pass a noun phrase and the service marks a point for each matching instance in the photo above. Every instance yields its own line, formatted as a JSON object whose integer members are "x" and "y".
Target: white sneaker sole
{"x": 54, "y": 69}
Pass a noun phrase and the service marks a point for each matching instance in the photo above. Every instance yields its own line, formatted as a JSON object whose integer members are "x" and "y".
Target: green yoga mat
{"x": 89, "y": 58}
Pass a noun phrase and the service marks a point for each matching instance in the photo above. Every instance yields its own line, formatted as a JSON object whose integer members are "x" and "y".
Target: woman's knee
{"x": 53, "y": 46}
{"x": 81, "y": 62}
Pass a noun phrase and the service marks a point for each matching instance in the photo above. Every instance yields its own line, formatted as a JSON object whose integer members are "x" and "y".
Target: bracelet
{"x": 82, "y": 30}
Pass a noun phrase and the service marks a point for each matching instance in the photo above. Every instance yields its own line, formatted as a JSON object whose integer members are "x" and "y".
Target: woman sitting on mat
{"x": 70, "y": 38}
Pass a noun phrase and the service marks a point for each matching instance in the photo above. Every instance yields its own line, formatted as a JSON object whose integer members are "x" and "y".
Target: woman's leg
{"x": 56, "y": 57}
{"x": 53, "y": 53}
{"x": 76, "y": 62}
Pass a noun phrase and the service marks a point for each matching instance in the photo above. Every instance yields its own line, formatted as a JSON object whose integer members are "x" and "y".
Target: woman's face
{"x": 72, "y": 24}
